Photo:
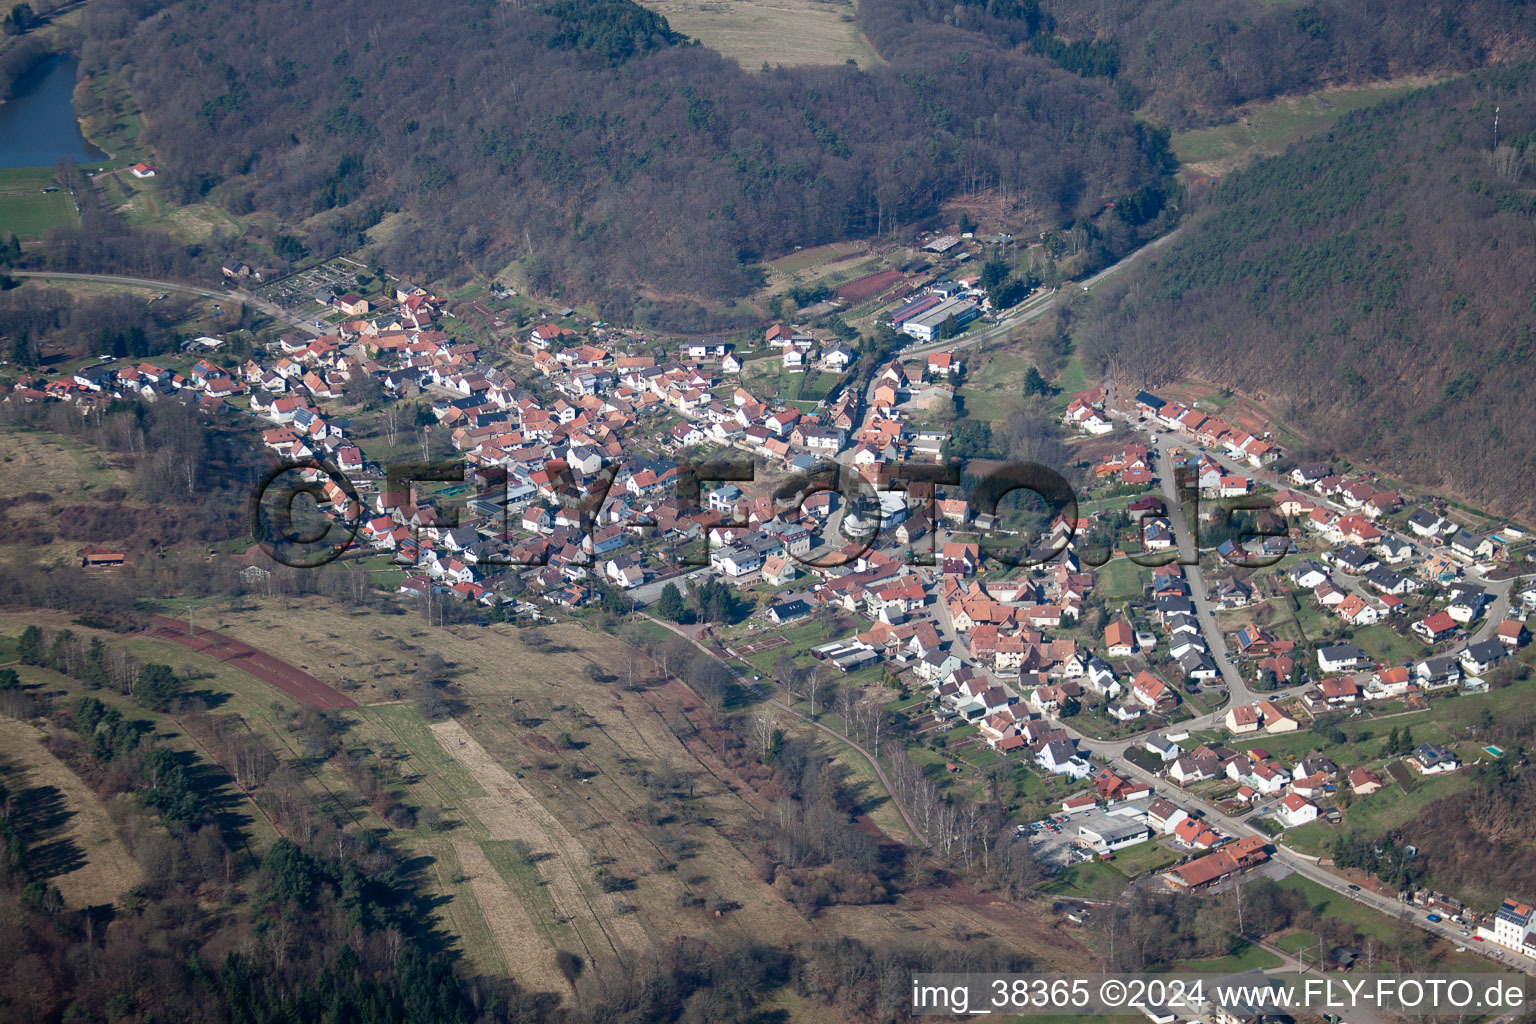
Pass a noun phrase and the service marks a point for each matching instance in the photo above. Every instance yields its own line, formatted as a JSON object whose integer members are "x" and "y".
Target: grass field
{"x": 758, "y": 32}
{"x": 93, "y": 864}
{"x": 985, "y": 404}
{"x": 63, "y": 467}
{"x": 1296, "y": 941}
{"x": 994, "y": 379}
{"x": 110, "y": 117}
{"x": 140, "y": 204}
{"x": 806, "y": 388}
{"x": 1072, "y": 379}
{"x": 1144, "y": 858}
{"x": 26, "y": 211}
{"x": 1381, "y": 927}
{"x": 38, "y": 464}
{"x": 1122, "y": 579}
{"x": 1387, "y": 645}
{"x": 1367, "y": 743}
{"x": 1265, "y": 129}
{"x": 241, "y": 694}
{"x": 1335, "y": 907}
{"x": 1094, "y": 879}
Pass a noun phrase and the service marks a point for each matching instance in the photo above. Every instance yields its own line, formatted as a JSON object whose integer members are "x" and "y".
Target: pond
{"x": 38, "y": 126}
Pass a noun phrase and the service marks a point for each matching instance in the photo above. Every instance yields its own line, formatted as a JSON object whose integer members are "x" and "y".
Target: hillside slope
{"x": 1377, "y": 286}
{"x": 1192, "y": 63}
{"x": 587, "y": 139}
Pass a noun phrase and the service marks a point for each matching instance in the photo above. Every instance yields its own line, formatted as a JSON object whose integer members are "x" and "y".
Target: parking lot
{"x": 1055, "y": 844}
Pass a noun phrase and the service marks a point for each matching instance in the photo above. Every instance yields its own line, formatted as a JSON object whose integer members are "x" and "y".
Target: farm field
{"x": 758, "y": 32}
{"x": 573, "y": 814}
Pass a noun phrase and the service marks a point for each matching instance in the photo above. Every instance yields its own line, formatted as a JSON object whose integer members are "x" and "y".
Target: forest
{"x": 1191, "y": 64}
{"x": 1375, "y": 288}
{"x": 587, "y": 140}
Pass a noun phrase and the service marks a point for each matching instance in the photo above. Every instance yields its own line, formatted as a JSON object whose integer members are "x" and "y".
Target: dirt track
{"x": 296, "y": 683}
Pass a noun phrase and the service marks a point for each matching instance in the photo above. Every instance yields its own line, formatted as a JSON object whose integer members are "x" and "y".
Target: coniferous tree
{"x": 29, "y": 648}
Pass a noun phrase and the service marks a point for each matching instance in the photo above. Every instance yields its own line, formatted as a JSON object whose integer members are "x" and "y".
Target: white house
{"x": 1513, "y": 926}
{"x": 1339, "y": 657}
{"x": 1432, "y": 759}
{"x": 1295, "y": 810}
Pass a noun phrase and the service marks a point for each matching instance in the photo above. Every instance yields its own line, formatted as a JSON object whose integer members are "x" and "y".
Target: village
{"x": 1176, "y": 707}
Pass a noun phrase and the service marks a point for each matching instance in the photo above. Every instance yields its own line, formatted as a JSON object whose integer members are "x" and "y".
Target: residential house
{"x": 1432, "y": 759}
{"x": 1295, "y": 810}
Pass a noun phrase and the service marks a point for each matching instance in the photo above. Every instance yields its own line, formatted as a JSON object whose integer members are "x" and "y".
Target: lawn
{"x": 1310, "y": 619}
{"x": 1072, "y": 379}
{"x": 28, "y": 215}
{"x": 1294, "y": 942}
{"x": 1247, "y": 957}
{"x": 1145, "y": 858}
{"x": 875, "y": 800}
{"x": 1381, "y": 927}
{"x": 989, "y": 405}
{"x": 1382, "y": 812}
{"x": 1121, "y": 579}
{"x": 111, "y": 119}
{"x": 1367, "y": 738}
{"x": 1314, "y": 839}
{"x": 804, "y": 388}
{"x": 1093, "y": 879}
{"x": 1331, "y": 905}
{"x": 1388, "y": 646}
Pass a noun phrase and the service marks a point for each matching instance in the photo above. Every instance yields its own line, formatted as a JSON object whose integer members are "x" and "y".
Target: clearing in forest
{"x": 758, "y": 32}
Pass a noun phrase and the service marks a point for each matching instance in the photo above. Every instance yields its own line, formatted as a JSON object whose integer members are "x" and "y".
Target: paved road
{"x": 1112, "y": 752}
{"x": 273, "y": 310}
{"x": 1237, "y": 690}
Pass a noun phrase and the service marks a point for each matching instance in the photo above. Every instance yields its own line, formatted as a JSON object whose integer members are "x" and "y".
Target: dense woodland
{"x": 1191, "y": 63}
{"x": 1375, "y": 287}
{"x": 584, "y": 138}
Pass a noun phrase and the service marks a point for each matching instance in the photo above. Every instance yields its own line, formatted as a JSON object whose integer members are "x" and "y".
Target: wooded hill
{"x": 1192, "y": 63}
{"x": 1377, "y": 287}
{"x": 585, "y": 137}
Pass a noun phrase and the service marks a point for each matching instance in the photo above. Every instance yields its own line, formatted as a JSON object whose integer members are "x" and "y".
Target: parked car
{"x": 1432, "y": 918}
